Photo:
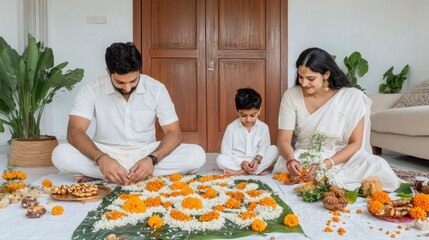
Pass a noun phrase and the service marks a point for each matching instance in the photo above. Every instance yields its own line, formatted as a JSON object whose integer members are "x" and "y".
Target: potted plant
{"x": 394, "y": 82}
{"x": 28, "y": 82}
{"x": 355, "y": 65}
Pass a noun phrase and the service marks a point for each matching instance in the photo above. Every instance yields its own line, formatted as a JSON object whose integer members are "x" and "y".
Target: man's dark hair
{"x": 122, "y": 58}
{"x": 247, "y": 98}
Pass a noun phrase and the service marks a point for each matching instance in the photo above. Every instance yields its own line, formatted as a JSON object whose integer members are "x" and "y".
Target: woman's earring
{"x": 325, "y": 85}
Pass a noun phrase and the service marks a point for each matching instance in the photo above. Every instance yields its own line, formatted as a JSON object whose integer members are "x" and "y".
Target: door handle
{"x": 211, "y": 67}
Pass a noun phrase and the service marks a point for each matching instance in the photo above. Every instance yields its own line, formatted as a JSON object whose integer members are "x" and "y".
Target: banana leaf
{"x": 142, "y": 231}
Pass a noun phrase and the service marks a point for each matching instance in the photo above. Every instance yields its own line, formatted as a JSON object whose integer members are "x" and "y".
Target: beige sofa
{"x": 403, "y": 130}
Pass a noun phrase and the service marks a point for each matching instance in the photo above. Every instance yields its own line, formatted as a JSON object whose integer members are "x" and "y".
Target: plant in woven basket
{"x": 29, "y": 82}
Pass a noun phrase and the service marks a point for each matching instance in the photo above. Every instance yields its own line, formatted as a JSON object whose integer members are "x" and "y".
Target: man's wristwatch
{"x": 154, "y": 159}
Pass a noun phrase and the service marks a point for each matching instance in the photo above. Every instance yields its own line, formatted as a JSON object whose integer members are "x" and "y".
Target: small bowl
{"x": 334, "y": 206}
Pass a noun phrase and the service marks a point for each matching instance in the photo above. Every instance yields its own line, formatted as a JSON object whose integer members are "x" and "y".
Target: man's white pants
{"x": 226, "y": 162}
{"x": 186, "y": 158}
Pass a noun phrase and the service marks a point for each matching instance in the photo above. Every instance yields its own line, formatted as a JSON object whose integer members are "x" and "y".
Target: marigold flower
{"x": 418, "y": 213}
{"x": 134, "y": 205}
{"x": 239, "y": 196}
{"x": 153, "y": 202}
{"x": 328, "y": 229}
{"x": 247, "y": 215}
{"x": 155, "y": 185}
{"x": 126, "y": 196}
{"x": 219, "y": 208}
{"x": 232, "y": 203}
{"x": 375, "y": 206}
{"x": 258, "y": 225}
{"x": 57, "y": 210}
{"x": 268, "y": 202}
{"x": 255, "y": 193}
{"x": 192, "y": 203}
{"x": 381, "y": 196}
{"x": 252, "y": 206}
{"x": 14, "y": 175}
{"x": 180, "y": 216}
{"x": 421, "y": 200}
{"x": 114, "y": 215}
{"x": 291, "y": 220}
{"x": 46, "y": 183}
{"x": 209, "y": 193}
{"x": 13, "y": 186}
{"x": 242, "y": 185}
{"x": 335, "y": 219}
{"x": 210, "y": 178}
{"x": 175, "y": 177}
{"x": 178, "y": 185}
{"x": 209, "y": 216}
{"x": 167, "y": 204}
{"x": 186, "y": 191}
{"x": 282, "y": 177}
{"x": 341, "y": 231}
{"x": 223, "y": 184}
{"x": 155, "y": 222}
{"x": 358, "y": 211}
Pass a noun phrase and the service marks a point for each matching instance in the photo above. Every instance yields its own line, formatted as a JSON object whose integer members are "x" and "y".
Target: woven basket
{"x": 34, "y": 153}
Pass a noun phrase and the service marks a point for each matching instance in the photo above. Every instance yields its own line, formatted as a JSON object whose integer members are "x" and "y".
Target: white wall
{"x": 386, "y": 32}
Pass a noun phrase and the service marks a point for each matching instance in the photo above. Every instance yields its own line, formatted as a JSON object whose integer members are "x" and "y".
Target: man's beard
{"x": 121, "y": 91}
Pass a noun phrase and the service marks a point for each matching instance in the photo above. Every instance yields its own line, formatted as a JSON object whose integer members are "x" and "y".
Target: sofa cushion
{"x": 411, "y": 121}
{"x": 417, "y": 96}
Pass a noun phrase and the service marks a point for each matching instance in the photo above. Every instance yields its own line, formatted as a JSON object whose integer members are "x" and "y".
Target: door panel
{"x": 204, "y": 50}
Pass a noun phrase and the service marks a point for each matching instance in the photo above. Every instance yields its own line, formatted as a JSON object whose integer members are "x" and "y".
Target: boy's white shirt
{"x": 242, "y": 145}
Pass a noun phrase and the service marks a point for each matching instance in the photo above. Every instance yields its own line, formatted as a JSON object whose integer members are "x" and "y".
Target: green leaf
{"x": 352, "y": 195}
{"x": 404, "y": 188}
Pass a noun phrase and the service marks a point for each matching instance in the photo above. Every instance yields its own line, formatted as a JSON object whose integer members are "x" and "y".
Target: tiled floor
{"x": 395, "y": 160}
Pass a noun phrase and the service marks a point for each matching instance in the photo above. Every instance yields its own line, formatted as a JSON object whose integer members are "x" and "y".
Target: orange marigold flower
{"x": 125, "y": 196}
{"x": 242, "y": 185}
{"x": 153, "y": 202}
{"x": 268, "y": 202}
{"x": 209, "y": 193}
{"x": 258, "y": 225}
{"x": 291, "y": 220}
{"x": 255, "y": 193}
{"x": 155, "y": 222}
{"x": 344, "y": 210}
{"x": 247, "y": 215}
{"x": 155, "y": 185}
{"x": 46, "y": 183}
{"x": 418, "y": 213}
{"x": 192, "y": 203}
{"x": 421, "y": 200}
{"x": 282, "y": 177}
{"x": 114, "y": 215}
{"x": 381, "y": 196}
{"x": 223, "y": 184}
{"x": 57, "y": 210}
{"x": 14, "y": 175}
{"x": 335, "y": 219}
{"x": 167, "y": 204}
{"x": 341, "y": 231}
{"x": 186, "y": 191}
{"x": 210, "y": 178}
{"x": 328, "y": 229}
{"x": 239, "y": 196}
{"x": 175, "y": 177}
{"x": 252, "y": 206}
{"x": 178, "y": 185}
{"x": 219, "y": 208}
{"x": 134, "y": 205}
{"x": 358, "y": 211}
{"x": 375, "y": 206}
{"x": 232, "y": 203}
{"x": 13, "y": 186}
{"x": 180, "y": 216}
{"x": 202, "y": 187}
{"x": 209, "y": 216}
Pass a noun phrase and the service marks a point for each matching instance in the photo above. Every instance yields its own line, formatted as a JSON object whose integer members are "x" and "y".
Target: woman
{"x": 323, "y": 101}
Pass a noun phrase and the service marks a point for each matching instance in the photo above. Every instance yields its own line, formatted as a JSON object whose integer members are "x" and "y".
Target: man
{"x": 124, "y": 104}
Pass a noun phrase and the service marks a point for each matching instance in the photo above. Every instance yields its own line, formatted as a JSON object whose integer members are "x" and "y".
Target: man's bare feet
{"x": 81, "y": 178}
{"x": 263, "y": 173}
{"x": 229, "y": 172}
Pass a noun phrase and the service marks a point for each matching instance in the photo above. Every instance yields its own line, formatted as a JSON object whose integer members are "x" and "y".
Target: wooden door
{"x": 204, "y": 50}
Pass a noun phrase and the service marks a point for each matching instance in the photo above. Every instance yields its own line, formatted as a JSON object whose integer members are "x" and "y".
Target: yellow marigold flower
{"x": 252, "y": 206}
{"x": 180, "y": 216}
{"x": 192, "y": 203}
{"x": 14, "y": 175}
{"x": 242, "y": 185}
{"x": 13, "y": 186}
{"x": 421, "y": 200}
{"x": 57, "y": 210}
{"x": 268, "y": 201}
{"x": 155, "y": 185}
{"x": 258, "y": 225}
{"x": 114, "y": 215}
{"x": 134, "y": 205}
{"x": 178, "y": 185}
{"x": 418, "y": 213}
{"x": 126, "y": 196}
{"x": 219, "y": 208}
{"x": 239, "y": 196}
{"x": 46, "y": 183}
{"x": 209, "y": 216}
{"x": 186, "y": 191}
{"x": 175, "y": 177}
{"x": 232, "y": 203}
{"x": 375, "y": 206}
{"x": 155, "y": 222}
{"x": 381, "y": 196}
{"x": 209, "y": 193}
{"x": 153, "y": 202}
{"x": 247, "y": 215}
{"x": 291, "y": 220}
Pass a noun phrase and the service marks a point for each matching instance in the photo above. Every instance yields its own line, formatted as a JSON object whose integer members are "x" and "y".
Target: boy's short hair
{"x": 247, "y": 98}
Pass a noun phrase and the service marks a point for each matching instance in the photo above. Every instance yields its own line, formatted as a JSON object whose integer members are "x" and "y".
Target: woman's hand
{"x": 294, "y": 168}
{"x": 311, "y": 172}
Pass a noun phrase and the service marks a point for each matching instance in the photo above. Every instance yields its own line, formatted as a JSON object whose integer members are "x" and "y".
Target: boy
{"x": 246, "y": 142}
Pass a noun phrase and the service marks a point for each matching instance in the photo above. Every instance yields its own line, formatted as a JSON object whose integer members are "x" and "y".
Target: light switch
{"x": 96, "y": 19}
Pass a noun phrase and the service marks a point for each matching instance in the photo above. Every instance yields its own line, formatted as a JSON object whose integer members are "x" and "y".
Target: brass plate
{"x": 103, "y": 191}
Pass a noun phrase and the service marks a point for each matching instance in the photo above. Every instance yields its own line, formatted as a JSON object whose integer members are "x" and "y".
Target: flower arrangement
{"x": 14, "y": 180}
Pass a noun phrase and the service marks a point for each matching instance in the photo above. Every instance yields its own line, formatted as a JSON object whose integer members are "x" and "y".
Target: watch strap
{"x": 154, "y": 159}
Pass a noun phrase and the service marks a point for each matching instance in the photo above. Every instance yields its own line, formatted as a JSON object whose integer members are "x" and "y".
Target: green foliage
{"x": 315, "y": 194}
{"x": 394, "y": 82}
{"x": 27, "y": 83}
{"x": 357, "y": 67}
